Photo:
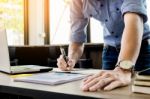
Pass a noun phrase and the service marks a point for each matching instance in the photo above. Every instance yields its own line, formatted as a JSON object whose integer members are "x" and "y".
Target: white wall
{"x": 36, "y": 22}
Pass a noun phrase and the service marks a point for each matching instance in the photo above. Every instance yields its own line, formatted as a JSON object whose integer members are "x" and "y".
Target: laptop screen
{"x": 4, "y": 54}
{"x": 5, "y": 61}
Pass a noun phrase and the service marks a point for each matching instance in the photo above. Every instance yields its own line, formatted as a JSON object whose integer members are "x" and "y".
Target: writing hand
{"x": 65, "y": 65}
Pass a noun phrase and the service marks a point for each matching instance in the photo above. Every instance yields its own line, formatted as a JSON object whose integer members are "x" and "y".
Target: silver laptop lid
{"x": 4, "y": 53}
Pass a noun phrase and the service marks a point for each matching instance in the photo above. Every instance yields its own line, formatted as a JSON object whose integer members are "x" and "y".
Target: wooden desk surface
{"x": 72, "y": 89}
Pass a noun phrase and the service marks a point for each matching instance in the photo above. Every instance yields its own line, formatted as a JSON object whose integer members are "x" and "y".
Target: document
{"x": 51, "y": 78}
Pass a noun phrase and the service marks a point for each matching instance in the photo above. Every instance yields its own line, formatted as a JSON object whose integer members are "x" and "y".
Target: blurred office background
{"x": 36, "y": 29}
{"x": 42, "y": 22}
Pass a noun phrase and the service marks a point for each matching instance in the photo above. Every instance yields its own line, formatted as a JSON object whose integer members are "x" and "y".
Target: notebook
{"x": 51, "y": 78}
{"x": 5, "y": 61}
{"x": 141, "y": 89}
{"x": 141, "y": 83}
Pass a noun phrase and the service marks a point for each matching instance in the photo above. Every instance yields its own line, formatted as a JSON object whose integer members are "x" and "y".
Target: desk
{"x": 64, "y": 91}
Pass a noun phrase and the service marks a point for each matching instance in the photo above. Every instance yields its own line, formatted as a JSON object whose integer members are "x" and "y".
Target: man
{"x": 126, "y": 40}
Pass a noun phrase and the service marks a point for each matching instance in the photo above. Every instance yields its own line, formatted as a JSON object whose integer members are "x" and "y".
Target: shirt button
{"x": 116, "y": 36}
{"x": 112, "y": 32}
{"x": 101, "y": 5}
{"x": 106, "y": 20}
{"x": 117, "y": 9}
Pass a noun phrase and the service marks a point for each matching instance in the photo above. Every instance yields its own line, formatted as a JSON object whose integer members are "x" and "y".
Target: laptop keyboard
{"x": 19, "y": 68}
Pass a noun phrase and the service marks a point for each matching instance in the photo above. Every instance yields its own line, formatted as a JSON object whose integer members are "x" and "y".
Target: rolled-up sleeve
{"x": 135, "y": 6}
{"x": 78, "y": 22}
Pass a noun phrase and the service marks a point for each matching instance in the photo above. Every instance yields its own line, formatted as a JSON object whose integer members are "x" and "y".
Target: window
{"x": 96, "y": 31}
{"x": 12, "y": 16}
{"x": 36, "y": 22}
{"x": 59, "y": 22}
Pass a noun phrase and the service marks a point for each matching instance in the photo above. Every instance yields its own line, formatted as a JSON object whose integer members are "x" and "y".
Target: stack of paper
{"x": 141, "y": 83}
{"x": 51, "y": 78}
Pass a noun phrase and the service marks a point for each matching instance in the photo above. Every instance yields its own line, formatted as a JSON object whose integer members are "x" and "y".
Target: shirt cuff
{"x": 136, "y": 9}
{"x": 79, "y": 37}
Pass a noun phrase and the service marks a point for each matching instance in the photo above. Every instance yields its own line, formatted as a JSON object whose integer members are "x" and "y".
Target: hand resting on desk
{"x": 106, "y": 80}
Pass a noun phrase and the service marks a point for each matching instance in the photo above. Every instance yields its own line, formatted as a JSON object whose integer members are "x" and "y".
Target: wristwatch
{"x": 126, "y": 65}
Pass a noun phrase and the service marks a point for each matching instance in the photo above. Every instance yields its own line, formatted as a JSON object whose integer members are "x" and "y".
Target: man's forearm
{"x": 132, "y": 37}
{"x": 75, "y": 51}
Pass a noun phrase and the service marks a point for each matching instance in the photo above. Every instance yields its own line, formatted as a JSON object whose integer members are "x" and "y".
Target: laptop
{"x": 5, "y": 61}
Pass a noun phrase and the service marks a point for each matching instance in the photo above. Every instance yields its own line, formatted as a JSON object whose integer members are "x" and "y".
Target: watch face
{"x": 126, "y": 64}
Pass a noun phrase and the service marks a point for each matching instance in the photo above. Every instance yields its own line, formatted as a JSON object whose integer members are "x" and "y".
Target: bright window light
{"x": 59, "y": 22}
{"x": 96, "y": 31}
{"x": 12, "y": 17}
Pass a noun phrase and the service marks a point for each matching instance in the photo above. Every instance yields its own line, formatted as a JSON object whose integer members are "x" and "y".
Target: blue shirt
{"x": 110, "y": 14}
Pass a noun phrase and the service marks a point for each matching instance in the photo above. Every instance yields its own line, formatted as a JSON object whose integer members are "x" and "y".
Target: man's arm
{"x": 75, "y": 51}
{"x": 132, "y": 37}
{"x": 77, "y": 37}
{"x": 131, "y": 42}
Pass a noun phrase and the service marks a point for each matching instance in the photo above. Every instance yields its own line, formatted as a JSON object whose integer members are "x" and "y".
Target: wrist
{"x": 74, "y": 57}
{"x": 126, "y": 66}
{"x": 123, "y": 71}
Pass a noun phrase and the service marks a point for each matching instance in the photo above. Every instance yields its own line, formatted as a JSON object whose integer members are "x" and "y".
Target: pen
{"x": 66, "y": 72}
{"x": 64, "y": 54}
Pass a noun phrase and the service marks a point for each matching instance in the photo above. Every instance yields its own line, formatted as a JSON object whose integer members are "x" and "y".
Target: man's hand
{"x": 65, "y": 66}
{"x": 74, "y": 53}
{"x": 107, "y": 80}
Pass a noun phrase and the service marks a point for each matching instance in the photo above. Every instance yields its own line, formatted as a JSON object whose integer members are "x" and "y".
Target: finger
{"x": 113, "y": 85}
{"x": 61, "y": 65}
{"x": 71, "y": 64}
{"x": 90, "y": 78}
{"x": 85, "y": 87}
{"x": 69, "y": 68}
{"x": 101, "y": 84}
{"x": 63, "y": 68}
{"x": 63, "y": 62}
{"x": 62, "y": 59}
{"x": 103, "y": 74}
{"x": 107, "y": 74}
